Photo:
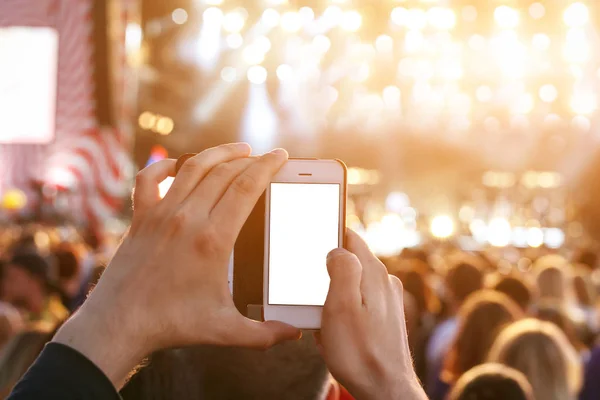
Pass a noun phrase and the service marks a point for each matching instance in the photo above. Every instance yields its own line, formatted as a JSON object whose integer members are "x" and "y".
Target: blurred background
{"x": 469, "y": 122}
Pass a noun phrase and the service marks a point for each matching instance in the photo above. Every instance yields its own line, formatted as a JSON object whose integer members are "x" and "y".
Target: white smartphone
{"x": 305, "y": 218}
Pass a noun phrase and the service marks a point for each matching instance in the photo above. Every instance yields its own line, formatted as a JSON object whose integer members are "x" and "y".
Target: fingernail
{"x": 279, "y": 152}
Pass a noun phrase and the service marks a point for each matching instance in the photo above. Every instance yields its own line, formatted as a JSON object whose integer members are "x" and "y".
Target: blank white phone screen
{"x": 304, "y": 228}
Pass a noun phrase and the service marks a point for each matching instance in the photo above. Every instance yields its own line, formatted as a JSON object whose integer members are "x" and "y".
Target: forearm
{"x": 104, "y": 342}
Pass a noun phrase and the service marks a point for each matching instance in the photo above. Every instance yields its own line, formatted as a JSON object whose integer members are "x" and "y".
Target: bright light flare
{"x": 540, "y": 41}
{"x": 584, "y": 102}
{"x": 257, "y": 74}
{"x": 284, "y": 72}
{"x": 179, "y": 16}
{"x": 537, "y": 10}
{"x": 548, "y": 93}
{"x": 535, "y": 237}
{"x": 577, "y": 47}
{"x": 399, "y": 16}
{"x": 351, "y": 21}
{"x": 270, "y": 18}
{"x": 442, "y": 226}
{"x": 506, "y": 17}
{"x": 384, "y": 44}
{"x": 234, "y": 21}
{"x": 499, "y": 232}
{"x": 576, "y": 15}
{"x": 441, "y": 18}
{"x": 228, "y": 74}
{"x": 416, "y": 19}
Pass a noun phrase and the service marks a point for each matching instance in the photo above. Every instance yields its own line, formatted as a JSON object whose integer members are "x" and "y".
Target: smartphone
{"x": 305, "y": 209}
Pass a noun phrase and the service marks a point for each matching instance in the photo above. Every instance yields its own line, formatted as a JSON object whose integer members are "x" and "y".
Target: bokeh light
{"x": 506, "y": 17}
{"x": 257, "y": 74}
{"x": 442, "y": 226}
{"x": 576, "y": 15}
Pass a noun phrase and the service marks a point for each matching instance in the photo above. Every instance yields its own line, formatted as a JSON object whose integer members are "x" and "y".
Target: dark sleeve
{"x": 61, "y": 372}
{"x": 591, "y": 382}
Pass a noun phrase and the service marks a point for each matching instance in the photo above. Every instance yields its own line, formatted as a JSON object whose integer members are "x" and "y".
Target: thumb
{"x": 263, "y": 335}
{"x": 345, "y": 271}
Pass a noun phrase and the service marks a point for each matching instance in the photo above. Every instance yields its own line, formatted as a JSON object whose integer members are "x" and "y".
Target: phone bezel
{"x": 302, "y": 171}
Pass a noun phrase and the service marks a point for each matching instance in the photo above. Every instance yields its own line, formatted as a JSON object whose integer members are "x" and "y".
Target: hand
{"x": 363, "y": 335}
{"x": 167, "y": 284}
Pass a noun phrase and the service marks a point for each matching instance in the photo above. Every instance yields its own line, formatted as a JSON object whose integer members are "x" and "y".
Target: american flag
{"x": 95, "y": 159}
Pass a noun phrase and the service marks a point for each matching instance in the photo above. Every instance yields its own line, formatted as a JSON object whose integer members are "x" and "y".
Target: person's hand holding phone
{"x": 167, "y": 284}
{"x": 363, "y": 335}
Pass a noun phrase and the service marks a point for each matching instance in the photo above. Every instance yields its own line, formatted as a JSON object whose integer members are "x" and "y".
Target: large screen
{"x": 28, "y": 81}
{"x": 304, "y": 228}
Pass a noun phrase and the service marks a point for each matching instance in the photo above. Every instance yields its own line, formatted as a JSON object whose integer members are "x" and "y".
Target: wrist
{"x": 104, "y": 341}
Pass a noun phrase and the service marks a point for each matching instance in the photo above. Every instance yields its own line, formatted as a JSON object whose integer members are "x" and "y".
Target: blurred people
{"x": 516, "y": 288}
{"x": 492, "y": 382}
{"x": 480, "y": 319}
{"x": 461, "y": 280}
{"x": 72, "y": 289}
{"x": 542, "y": 352}
{"x": 11, "y": 323}
{"x": 27, "y": 285}
{"x": 18, "y": 355}
{"x": 554, "y": 312}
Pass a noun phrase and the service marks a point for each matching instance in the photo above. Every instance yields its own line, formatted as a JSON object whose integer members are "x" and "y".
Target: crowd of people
{"x": 160, "y": 324}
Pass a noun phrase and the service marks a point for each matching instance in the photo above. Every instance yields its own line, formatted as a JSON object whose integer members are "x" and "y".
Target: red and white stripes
{"x": 97, "y": 158}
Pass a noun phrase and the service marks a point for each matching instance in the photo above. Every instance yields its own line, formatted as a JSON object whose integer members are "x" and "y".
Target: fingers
{"x": 345, "y": 272}
{"x": 374, "y": 274}
{"x": 204, "y": 197}
{"x": 196, "y": 168}
{"x": 244, "y": 191}
{"x": 145, "y": 193}
{"x": 263, "y": 335}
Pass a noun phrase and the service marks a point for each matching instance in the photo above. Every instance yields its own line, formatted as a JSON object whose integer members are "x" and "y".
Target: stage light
{"x": 581, "y": 122}
{"x": 548, "y": 93}
{"x": 540, "y": 41}
{"x": 506, "y": 17}
{"x": 469, "y": 13}
{"x": 257, "y": 74}
{"x": 270, "y": 18}
{"x": 179, "y": 16}
{"x": 253, "y": 55}
{"x": 164, "y": 186}
{"x": 164, "y": 126}
{"x": 284, "y": 72}
{"x": 351, "y": 21}
{"x": 391, "y": 97}
{"x": 332, "y": 16}
{"x": 228, "y": 74}
{"x": 477, "y": 42}
{"x": 524, "y": 105}
{"x": 413, "y": 41}
{"x": 554, "y": 238}
{"x": 306, "y": 14}
{"x": 584, "y": 102}
{"x": 291, "y": 22}
{"x": 399, "y": 16}
{"x": 577, "y": 48}
{"x": 234, "y": 21}
{"x": 441, "y": 18}
{"x": 212, "y": 15}
{"x": 384, "y": 44}
{"x": 442, "y": 226}
{"x": 321, "y": 43}
{"x": 576, "y": 15}
{"x": 535, "y": 237}
{"x": 234, "y": 41}
{"x": 263, "y": 44}
{"x": 147, "y": 120}
{"x": 499, "y": 232}
{"x": 483, "y": 94}
{"x": 537, "y": 10}
{"x": 417, "y": 19}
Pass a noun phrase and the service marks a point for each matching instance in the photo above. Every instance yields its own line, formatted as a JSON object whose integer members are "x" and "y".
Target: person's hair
{"x": 18, "y": 355}
{"x": 291, "y": 371}
{"x": 480, "y": 319}
{"x": 492, "y": 382}
{"x": 583, "y": 287}
{"x": 36, "y": 266}
{"x": 413, "y": 275}
{"x": 552, "y": 311}
{"x": 586, "y": 257}
{"x": 514, "y": 287}
{"x": 552, "y": 283}
{"x": 542, "y": 352}
{"x": 67, "y": 262}
{"x": 462, "y": 279}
